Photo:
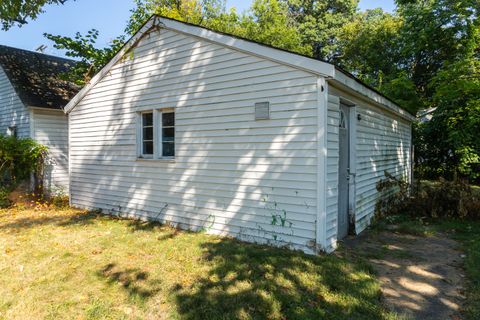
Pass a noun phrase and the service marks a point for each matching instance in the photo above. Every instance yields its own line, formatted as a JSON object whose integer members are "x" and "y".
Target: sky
{"x": 108, "y": 16}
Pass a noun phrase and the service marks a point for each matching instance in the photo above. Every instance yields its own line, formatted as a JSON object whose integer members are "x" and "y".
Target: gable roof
{"x": 35, "y": 77}
{"x": 325, "y": 69}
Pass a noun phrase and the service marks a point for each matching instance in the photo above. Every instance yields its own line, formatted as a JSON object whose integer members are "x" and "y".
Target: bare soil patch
{"x": 421, "y": 277}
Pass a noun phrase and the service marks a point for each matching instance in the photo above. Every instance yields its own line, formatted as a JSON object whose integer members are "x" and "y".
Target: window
{"x": 168, "y": 134}
{"x": 156, "y": 132}
{"x": 147, "y": 134}
{"x": 12, "y": 131}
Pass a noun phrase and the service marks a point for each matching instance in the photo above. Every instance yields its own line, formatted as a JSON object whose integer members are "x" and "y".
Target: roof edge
{"x": 253, "y": 48}
{"x": 285, "y": 57}
{"x": 347, "y": 80}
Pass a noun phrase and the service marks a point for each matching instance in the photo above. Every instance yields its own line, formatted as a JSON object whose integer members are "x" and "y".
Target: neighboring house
{"x": 32, "y": 98}
{"x": 207, "y": 131}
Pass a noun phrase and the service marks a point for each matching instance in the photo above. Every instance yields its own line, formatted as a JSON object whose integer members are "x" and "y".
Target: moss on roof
{"x": 36, "y": 77}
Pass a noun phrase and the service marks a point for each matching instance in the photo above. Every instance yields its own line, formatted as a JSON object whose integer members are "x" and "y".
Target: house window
{"x": 168, "y": 134}
{"x": 156, "y": 132}
{"x": 147, "y": 134}
{"x": 12, "y": 131}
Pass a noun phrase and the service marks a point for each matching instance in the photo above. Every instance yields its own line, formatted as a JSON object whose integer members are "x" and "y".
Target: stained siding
{"x": 232, "y": 175}
{"x": 12, "y": 110}
{"x": 382, "y": 143}
{"x": 50, "y": 128}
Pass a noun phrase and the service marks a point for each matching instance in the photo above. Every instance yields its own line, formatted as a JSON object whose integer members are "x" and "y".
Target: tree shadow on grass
{"x": 62, "y": 221}
{"x": 256, "y": 282}
{"x": 164, "y": 232}
{"x": 135, "y": 282}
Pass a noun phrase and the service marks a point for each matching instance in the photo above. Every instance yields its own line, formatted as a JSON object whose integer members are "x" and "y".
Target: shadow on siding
{"x": 217, "y": 188}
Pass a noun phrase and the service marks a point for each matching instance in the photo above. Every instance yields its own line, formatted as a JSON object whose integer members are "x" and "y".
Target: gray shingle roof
{"x": 35, "y": 77}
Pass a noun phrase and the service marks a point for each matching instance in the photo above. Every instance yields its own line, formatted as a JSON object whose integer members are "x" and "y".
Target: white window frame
{"x": 157, "y": 134}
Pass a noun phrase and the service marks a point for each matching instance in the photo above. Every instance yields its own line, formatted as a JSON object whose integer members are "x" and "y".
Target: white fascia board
{"x": 360, "y": 90}
{"x": 99, "y": 76}
{"x": 286, "y": 58}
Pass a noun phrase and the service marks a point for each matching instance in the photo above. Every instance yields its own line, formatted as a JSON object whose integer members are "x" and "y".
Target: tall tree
{"x": 433, "y": 33}
{"x": 319, "y": 23}
{"x": 19, "y": 11}
{"x": 269, "y": 22}
{"x": 449, "y": 144}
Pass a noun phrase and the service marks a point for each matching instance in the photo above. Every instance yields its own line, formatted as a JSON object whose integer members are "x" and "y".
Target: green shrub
{"x": 4, "y": 201}
{"x": 19, "y": 158}
{"x": 60, "y": 201}
{"x": 439, "y": 199}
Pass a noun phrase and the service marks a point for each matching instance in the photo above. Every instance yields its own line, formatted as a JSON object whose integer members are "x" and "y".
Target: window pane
{"x": 147, "y": 119}
{"x": 168, "y": 149}
{"x": 168, "y": 119}
{"x": 168, "y": 134}
{"x": 148, "y": 133}
{"x": 148, "y": 147}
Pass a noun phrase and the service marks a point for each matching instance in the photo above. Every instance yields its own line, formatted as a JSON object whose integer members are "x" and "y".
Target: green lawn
{"x": 69, "y": 264}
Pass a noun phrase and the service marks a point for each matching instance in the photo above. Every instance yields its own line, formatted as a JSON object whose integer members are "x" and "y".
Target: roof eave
{"x": 313, "y": 66}
{"x": 356, "y": 88}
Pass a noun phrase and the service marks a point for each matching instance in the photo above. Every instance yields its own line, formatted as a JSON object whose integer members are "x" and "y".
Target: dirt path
{"x": 421, "y": 277}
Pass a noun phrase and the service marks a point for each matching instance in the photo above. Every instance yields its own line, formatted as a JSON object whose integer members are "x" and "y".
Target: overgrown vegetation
{"x": 101, "y": 267}
{"x": 19, "y": 158}
{"x": 441, "y": 199}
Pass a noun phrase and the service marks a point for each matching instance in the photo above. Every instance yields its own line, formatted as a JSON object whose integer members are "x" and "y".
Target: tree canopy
{"x": 19, "y": 11}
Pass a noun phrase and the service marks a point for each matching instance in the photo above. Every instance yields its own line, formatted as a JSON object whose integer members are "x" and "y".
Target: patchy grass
{"x": 69, "y": 264}
{"x": 403, "y": 224}
{"x": 468, "y": 233}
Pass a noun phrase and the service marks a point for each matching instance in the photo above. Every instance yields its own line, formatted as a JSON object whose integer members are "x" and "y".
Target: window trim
{"x": 157, "y": 134}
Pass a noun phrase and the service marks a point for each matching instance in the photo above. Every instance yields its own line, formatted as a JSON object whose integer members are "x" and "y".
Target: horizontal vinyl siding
{"x": 232, "y": 175}
{"x": 332, "y": 169}
{"x": 383, "y": 144}
{"x": 50, "y": 128}
{"x": 12, "y": 110}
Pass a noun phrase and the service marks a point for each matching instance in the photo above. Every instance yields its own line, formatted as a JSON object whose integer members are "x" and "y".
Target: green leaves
{"x": 19, "y": 11}
{"x": 83, "y": 47}
{"x": 19, "y": 158}
{"x": 320, "y": 22}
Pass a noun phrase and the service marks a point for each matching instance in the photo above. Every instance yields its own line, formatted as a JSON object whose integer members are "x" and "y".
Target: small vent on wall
{"x": 262, "y": 110}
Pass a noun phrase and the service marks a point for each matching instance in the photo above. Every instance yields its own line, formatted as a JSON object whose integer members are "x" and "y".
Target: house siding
{"x": 12, "y": 110}
{"x": 50, "y": 128}
{"x": 232, "y": 175}
{"x": 332, "y": 170}
{"x": 382, "y": 143}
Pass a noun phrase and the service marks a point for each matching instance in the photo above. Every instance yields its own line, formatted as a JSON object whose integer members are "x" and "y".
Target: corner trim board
{"x": 322, "y": 116}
